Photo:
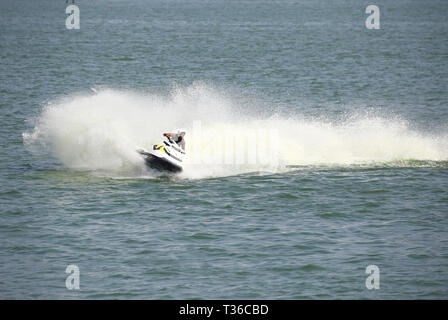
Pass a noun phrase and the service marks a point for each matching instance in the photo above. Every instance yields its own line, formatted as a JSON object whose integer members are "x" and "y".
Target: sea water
{"x": 355, "y": 120}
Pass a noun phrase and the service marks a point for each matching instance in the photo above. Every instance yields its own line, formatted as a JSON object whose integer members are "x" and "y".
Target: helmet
{"x": 180, "y": 131}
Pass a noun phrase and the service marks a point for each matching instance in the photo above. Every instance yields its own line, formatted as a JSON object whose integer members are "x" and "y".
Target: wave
{"x": 101, "y": 131}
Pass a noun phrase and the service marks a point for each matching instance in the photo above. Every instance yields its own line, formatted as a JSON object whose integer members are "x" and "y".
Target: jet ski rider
{"x": 177, "y": 137}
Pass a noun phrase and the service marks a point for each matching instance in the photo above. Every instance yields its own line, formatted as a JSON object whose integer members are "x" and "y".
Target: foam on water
{"x": 101, "y": 131}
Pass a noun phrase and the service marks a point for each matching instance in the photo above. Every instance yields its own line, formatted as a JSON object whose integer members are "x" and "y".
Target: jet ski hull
{"x": 161, "y": 164}
{"x": 164, "y": 158}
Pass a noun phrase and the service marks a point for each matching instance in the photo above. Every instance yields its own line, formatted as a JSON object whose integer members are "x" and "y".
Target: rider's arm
{"x": 183, "y": 144}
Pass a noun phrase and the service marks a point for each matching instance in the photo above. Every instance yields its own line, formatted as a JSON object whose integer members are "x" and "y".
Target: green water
{"x": 363, "y": 150}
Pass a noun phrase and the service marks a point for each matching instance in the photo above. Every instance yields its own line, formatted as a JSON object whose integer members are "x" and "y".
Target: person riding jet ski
{"x": 177, "y": 137}
{"x": 166, "y": 156}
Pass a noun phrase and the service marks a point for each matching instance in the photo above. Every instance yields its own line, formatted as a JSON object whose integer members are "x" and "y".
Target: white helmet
{"x": 180, "y": 131}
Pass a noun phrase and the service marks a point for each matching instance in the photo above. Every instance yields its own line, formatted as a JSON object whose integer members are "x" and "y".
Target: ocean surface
{"x": 354, "y": 121}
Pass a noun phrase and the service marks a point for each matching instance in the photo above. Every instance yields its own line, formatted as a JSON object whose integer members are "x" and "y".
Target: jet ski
{"x": 165, "y": 157}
